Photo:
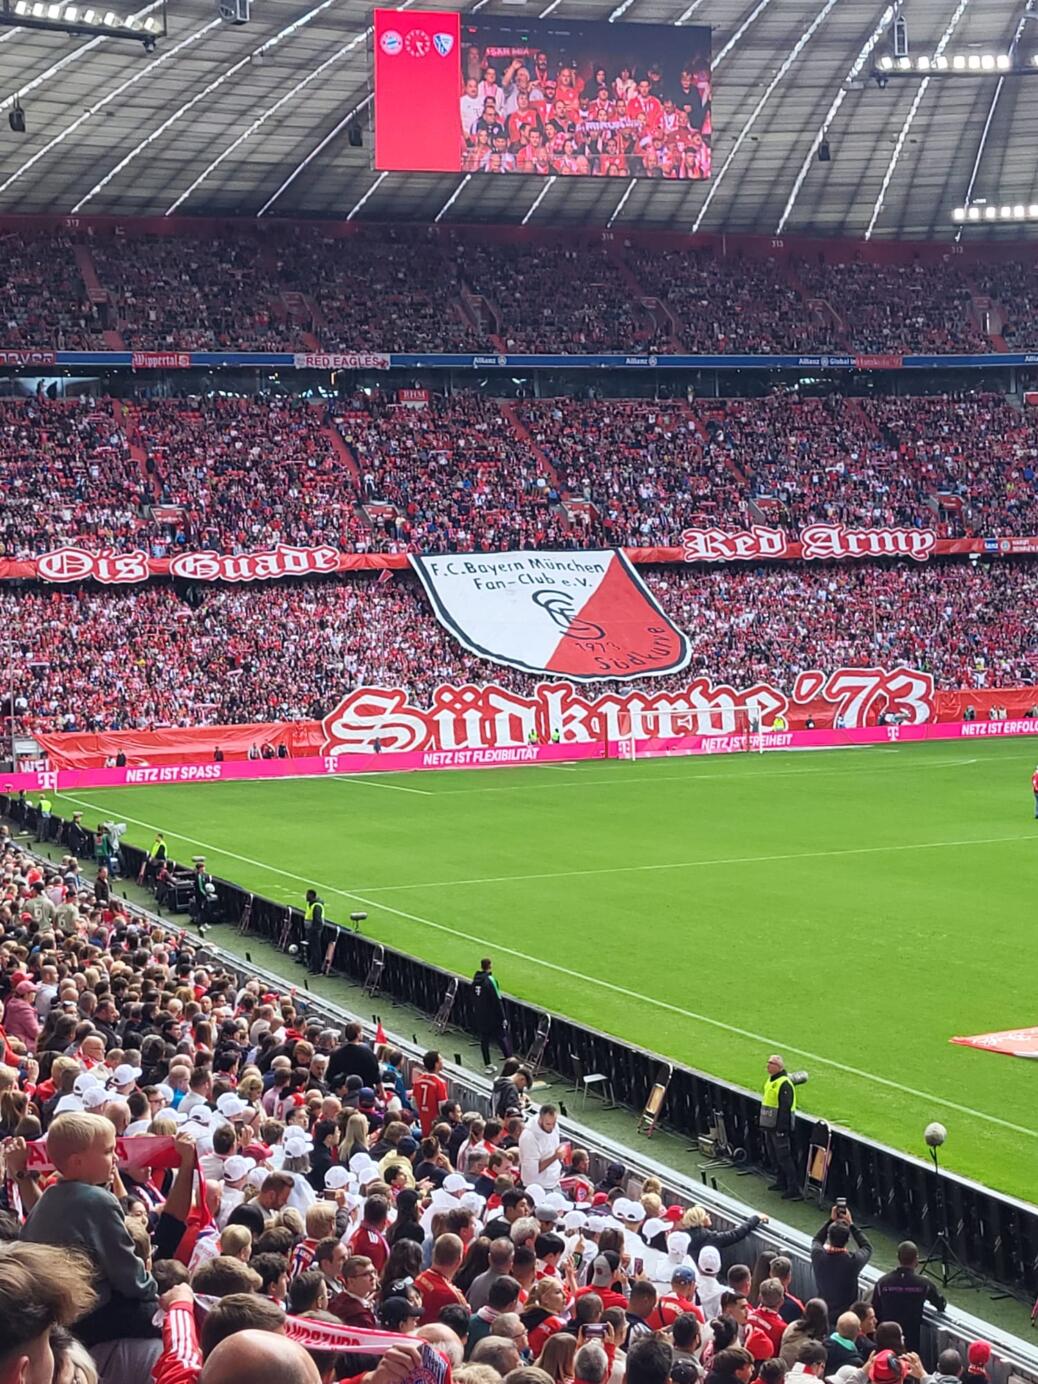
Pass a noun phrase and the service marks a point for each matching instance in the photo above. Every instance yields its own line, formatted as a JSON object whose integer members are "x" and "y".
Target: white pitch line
{"x": 774, "y": 1044}
{"x": 697, "y": 864}
{"x": 390, "y": 787}
{"x": 609, "y": 781}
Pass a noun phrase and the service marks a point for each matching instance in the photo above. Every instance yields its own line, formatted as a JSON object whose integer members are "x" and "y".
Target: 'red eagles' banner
{"x": 584, "y": 616}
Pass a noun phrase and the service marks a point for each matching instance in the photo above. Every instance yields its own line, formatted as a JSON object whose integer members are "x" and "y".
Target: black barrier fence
{"x": 993, "y": 1235}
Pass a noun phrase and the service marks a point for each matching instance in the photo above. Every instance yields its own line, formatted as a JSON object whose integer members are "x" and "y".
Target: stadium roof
{"x": 246, "y": 120}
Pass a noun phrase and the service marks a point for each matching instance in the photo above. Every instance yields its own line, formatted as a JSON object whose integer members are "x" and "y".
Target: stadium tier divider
{"x": 993, "y": 1234}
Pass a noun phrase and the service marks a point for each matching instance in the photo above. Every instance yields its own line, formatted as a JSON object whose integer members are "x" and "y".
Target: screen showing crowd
{"x": 593, "y": 100}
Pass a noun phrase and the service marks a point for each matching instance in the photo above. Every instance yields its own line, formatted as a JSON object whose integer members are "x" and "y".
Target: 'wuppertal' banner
{"x": 584, "y": 616}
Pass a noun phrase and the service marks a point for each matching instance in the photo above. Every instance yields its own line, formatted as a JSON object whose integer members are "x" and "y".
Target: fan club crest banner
{"x": 578, "y": 615}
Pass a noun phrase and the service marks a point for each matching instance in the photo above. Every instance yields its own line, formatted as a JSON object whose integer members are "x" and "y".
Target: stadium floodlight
{"x": 1003, "y": 62}
{"x": 57, "y": 16}
{"x": 973, "y": 62}
{"x": 922, "y": 64}
{"x": 958, "y": 63}
{"x": 974, "y": 213}
{"x": 959, "y": 214}
{"x": 904, "y": 64}
{"x": 886, "y": 62}
{"x": 1032, "y": 211}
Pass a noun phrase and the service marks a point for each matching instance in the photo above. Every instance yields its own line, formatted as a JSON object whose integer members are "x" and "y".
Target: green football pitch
{"x": 853, "y": 910}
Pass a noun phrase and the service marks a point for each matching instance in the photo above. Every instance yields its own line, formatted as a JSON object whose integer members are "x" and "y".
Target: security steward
{"x": 777, "y": 1113}
{"x": 43, "y": 816}
{"x": 313, "y": 931}
{"x": 156, "y": 858}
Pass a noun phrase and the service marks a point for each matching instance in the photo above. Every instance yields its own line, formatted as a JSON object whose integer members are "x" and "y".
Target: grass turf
{"x": 851, "y": 909}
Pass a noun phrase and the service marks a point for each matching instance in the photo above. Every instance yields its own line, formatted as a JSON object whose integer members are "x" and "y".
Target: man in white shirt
{"x": 540, "y": 1156}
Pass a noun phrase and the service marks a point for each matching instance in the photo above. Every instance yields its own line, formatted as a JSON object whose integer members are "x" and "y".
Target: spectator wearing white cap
{"x": 235, "y": 1173}
{"x": 540, "y": 1150}
{"x": 708, "y": 1286}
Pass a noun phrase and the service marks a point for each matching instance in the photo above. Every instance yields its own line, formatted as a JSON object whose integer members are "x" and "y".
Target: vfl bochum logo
{"x": 392, "y": 43}
{"x": 443, "y": 43}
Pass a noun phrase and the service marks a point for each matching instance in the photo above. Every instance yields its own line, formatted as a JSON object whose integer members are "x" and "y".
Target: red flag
{"x": 380, "y": 1036}
{"x": 385, "y": 575}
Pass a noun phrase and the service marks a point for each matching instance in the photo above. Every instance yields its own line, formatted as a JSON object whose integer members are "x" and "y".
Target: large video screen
{"x": 598, "y": 100}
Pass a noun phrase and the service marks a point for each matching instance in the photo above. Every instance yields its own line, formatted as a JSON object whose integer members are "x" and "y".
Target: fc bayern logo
{"x": 417, "y": 43}
{"x": 443, "y": 43}
{"x": 502, "y": 360}
{"x": 392, "y": 43}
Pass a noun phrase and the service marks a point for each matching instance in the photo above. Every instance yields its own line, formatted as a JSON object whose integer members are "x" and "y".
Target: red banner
{"x": 142, "y": 1151}
{"x": 817, "y": 542}
{"x": 1014, "y": 1042}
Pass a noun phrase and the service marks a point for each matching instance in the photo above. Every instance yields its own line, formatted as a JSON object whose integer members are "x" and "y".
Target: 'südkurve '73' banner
{"x": 579, "y": 615}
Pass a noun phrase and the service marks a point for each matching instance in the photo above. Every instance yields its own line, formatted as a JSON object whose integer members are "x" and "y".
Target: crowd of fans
{"x": 556, "y": 297}
{"x": 721, "y": 305}
{"x": 280, "y": 1188}
{"x": 455, "y": 473}
{"x": 891, "y": 307}
{"x": 398, "y": 290}
{"x": 43, "y": 300}
{"x": 139, "y": 658}
{"x": 467, "y": 472}
{"x": 67, "y": 472}
{"x": 391, "y": 292}
{"x": 191, "y": 293}
{"x": 249, "y": 472}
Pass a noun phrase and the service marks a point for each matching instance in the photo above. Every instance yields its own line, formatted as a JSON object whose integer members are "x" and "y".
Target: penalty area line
{"x": 774, "y": 1044}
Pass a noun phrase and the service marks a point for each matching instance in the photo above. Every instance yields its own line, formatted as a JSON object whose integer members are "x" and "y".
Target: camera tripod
{"x": 953, "y": 1272}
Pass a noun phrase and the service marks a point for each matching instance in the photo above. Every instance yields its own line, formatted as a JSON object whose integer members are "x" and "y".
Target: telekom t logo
{"x": 49, "y": 780}
{"x": 893, "y": 732}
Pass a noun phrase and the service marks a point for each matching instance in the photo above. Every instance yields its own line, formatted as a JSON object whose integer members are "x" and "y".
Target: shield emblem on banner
{"x": 581, "y": 615}
{"x": 443, "y": 43}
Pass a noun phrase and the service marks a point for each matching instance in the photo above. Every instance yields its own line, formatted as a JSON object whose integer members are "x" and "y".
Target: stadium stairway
{"x": 508, "y": 411}
{"x": 128, "y": 418}
{"x": 729, "y": 1194}
{"x": 482, "y": 314}
{"x": 304, "y": 314}
{"x": 660, "y": 313}
{"x": 97, "y": 293}
{"x": 343, "y": 452}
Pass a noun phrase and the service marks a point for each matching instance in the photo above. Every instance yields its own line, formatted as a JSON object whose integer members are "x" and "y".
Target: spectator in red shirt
{"x": 369, "y": 1238}
{"x": 354, "y": 1305}
{"x": 435, "y": 1285}
{"x": 429, "y": 1091}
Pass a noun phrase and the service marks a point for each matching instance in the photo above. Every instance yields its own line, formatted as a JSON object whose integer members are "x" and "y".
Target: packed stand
{"x": 68, "y": 477}
{"x": 191, "y": 293}
{"x": 280, "y": 1188}
{"x": 384, "y": 291}
{"x": 729, "y": 306}
{"x": 644, "y": 468}
{"x": 136, "y": 659}
{"x": 43, "y": 300}
{"x": 249, "y": 472}
{"x": 1013, "y": 287}
{"x": 916, "y": 308}
{"x": 455, "y": 474}
{"x": 559, "y": 298}
{"x": 959, "y": 464}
